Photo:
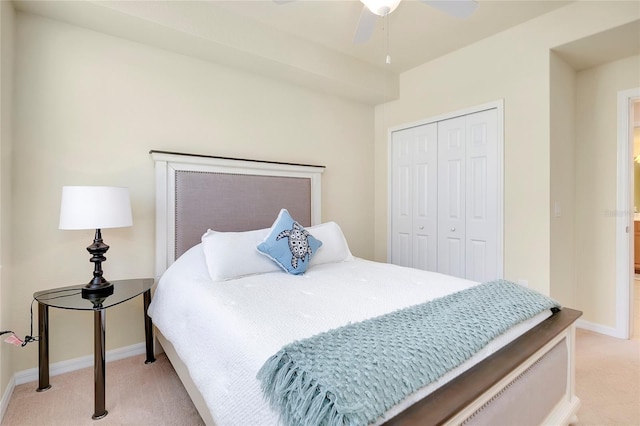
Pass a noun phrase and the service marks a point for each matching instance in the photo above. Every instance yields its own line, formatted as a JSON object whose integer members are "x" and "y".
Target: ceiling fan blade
{"x": 366, "y": 25}
{"x": 457, "y": 8}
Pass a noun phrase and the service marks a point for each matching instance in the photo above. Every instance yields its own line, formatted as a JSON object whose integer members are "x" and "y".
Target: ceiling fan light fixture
{"x": 381, "y": 7}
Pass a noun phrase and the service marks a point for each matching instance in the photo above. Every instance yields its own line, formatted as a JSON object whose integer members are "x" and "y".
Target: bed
{"x": 525, "y": 376}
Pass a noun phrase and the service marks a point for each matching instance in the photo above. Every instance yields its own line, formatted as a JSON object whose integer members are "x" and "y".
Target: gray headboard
{"x": 195, "y": 193}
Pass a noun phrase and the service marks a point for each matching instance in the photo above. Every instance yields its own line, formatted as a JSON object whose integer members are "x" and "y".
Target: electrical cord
{"x": 30, "y": 337}
{"x": 23, "y": 343}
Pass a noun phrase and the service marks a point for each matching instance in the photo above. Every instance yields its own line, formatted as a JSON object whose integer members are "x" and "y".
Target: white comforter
{"x": 225, "y": 331}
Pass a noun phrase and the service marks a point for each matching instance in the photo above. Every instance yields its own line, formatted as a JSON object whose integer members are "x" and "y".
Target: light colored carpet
{"x": 137, "y": 394}
{"x": 607, "y": 379}
{"x": 608, "y": 375}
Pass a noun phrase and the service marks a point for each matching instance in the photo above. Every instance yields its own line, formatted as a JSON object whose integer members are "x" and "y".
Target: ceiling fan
{"x": 372, "y": 9}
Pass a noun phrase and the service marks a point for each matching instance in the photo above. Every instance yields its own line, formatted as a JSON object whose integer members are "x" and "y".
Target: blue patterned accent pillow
{"x": 289, "y": 244}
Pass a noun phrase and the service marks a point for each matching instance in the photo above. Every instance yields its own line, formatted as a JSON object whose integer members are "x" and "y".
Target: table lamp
{"x": 95, "y": 207}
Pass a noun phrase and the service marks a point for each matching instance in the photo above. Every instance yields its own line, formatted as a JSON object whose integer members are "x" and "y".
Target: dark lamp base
{"x": 105, "y": 289}
{"x": 97, "y": 295}
{"x": 98, "y": 288}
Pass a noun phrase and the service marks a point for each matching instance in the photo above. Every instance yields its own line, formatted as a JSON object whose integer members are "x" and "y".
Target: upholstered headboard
{"x": 195, "y": 193}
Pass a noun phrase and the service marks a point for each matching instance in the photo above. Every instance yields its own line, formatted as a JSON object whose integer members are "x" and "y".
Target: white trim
{"x": 499, "y": 106}
{"x": 390, "y": 130}
{"x": 162, "y": 219}
{"x": 598, "y": 328}
{"x": 70, "y": 365}
{"x": 624, "y": 216}
{"x": 6, "y": 397}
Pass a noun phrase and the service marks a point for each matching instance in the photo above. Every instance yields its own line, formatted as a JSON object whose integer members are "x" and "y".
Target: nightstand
{"x": 71, "y": 298}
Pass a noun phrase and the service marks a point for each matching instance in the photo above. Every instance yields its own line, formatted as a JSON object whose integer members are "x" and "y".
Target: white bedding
{"x": 225, "y": 331}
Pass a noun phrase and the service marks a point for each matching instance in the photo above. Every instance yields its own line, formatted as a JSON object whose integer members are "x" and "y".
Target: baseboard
{"x": 70, "y": 365}
{"x": 6, "y": 396}
{"x": 599, "y": 328}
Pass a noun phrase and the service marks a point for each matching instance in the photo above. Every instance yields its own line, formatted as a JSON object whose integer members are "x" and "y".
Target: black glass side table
{"x": 71, "y": 298}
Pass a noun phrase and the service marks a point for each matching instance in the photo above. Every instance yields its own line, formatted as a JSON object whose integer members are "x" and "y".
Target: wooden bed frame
{"x": 529, "y": 381}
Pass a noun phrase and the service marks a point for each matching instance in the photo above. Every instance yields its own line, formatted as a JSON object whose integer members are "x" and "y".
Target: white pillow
{"x": 334, "y": 244}
{"x": 232, "y": 255}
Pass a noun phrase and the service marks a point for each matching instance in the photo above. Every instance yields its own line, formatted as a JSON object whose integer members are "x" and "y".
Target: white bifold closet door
{"x": 444, "y": 201}
{"x": 414, "y": 200}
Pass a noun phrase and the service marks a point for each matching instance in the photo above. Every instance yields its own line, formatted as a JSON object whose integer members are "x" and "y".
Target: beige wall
{"x": 7, "y": 17}
{"x": 562, "y": 182}
{"x": 89, "y": 107}
{"x": 514, "y": 66}
{"x": 596, "y": 152}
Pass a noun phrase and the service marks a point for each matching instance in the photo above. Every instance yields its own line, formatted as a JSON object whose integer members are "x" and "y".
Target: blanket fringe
{"x": 307, "y": 402}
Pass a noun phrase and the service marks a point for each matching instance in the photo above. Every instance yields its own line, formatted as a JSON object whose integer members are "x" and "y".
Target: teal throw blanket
{"x": 353, "y": 374}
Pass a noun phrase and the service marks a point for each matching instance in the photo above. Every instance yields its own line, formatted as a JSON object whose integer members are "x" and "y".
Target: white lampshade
{"x": 95, "y": 207}
{"x": 381, "y": 7}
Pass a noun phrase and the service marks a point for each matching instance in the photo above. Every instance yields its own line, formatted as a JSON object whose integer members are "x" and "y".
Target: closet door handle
{"x": 453, "y": 229}
{"x": 421, "y": 227}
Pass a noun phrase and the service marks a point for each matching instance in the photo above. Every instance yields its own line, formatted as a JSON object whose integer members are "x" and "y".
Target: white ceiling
{"x": 606, "y": 46}
{"x": 416, "y": 32}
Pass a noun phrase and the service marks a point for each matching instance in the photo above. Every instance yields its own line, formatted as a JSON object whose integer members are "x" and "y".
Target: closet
{"x": 445, "y": 195}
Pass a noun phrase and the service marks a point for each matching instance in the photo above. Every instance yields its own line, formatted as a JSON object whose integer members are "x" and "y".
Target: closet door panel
{"x": 477, "y": 257}
{"x": 402, "y": 249}
{"x": 453, "y": 256}
{"x": 451, "y": 196}
{"x": 402, "y": 203}
{"x": 481, "y": 197}
{"x": 425, "y": 212}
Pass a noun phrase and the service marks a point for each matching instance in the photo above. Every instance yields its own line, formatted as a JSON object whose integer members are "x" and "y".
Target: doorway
{"x": 625, "y": 223}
